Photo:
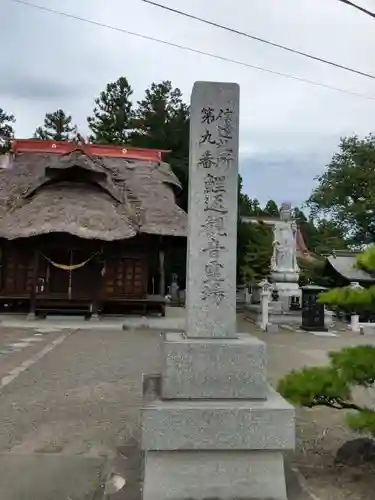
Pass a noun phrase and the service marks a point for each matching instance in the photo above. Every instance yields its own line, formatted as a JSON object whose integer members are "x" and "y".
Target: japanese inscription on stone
{"x": 218, "y": 132}
{"x": 213, "y": 203}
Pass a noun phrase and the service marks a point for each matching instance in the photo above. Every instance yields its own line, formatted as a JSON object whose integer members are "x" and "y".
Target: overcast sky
{"x": 289, "y": 130}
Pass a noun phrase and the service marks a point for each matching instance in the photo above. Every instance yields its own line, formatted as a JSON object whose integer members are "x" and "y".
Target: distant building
{"x": 342, "y": 270}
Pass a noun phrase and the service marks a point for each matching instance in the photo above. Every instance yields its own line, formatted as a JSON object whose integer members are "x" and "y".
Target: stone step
{"x": 219, "y": 425}
{"x": 220, "y": 475}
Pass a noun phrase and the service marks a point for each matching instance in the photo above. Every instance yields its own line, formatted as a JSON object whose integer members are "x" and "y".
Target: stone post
{"x": 218, "y": 429}
{"x": 161, "y": 272}
{"x": 354, "y": 318}
{"x": 174, "y": 288}
{"x": 354, "y": 323}
{"x": 247, "y": 296}
{"x": 265, "y": 296}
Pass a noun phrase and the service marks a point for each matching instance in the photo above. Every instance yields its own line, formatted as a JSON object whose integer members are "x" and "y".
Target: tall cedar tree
{"x": 254, "y": 251}
{"x": 57, "y": 126}
{"x": 112, "y": 118}
{"x": 161, "y": 120}
{"x": 321, "y": 236}
{"x": 254, "y": 241}
{"x": 271, "y": 209}
{"x": 6, "y": 130}
{"x": 345, "y": 191}
{"x": 307, "y": 228}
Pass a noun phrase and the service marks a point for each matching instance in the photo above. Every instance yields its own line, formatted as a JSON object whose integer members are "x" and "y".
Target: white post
{"x": 354, "y": 323}
{"x": 264, "y": 298}
{"x": 354, "y": 319}
{"x": 247, "y": 295}
{"x": 328, "y": 318}
{"x": 265, "y": 295}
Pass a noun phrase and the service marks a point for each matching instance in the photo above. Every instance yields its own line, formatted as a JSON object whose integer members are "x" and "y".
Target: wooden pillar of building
{"x": 161, "y": 268}
{"x": 100, "y": 267}
{"x": 35, "y": 284}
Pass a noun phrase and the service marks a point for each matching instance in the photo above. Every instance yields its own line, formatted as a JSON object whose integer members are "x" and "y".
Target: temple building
{"x": 341, "y": 270}
{"x": 86, "y": 227}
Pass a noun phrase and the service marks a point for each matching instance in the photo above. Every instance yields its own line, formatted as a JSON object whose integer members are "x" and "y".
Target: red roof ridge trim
{"x": 66, "y": 147}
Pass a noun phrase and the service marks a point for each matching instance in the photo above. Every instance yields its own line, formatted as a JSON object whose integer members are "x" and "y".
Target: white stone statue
{"x": 284, "y": 257}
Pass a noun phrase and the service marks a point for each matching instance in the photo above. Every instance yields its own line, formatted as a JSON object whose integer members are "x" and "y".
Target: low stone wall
{"x": 253, "y": 312}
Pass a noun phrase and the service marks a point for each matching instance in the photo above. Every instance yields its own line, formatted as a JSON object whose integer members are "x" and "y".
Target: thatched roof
{"x": 90, "y": 196}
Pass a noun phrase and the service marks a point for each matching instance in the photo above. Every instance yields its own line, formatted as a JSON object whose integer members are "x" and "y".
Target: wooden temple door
{"x": 126, "y": 277}
{"x": 133, "y": 277}
{"x": 85, "y": 280}
{"x": 72, "y": 273}
{"x": 56, "y": 277}
{"x": 17, "y": 273}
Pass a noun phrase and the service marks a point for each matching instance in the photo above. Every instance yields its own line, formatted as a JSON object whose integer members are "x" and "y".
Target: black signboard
{"x": 312, "y": 311}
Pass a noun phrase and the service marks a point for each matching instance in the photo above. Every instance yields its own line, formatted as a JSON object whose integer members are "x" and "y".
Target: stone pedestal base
{"x": 217, "y": 429}
{"x": 216, "y": 449}
{"x": 314, "y": 328}
{"x": 275, "y": 315}
{"x": 183, "y": 475}
{"x": 219, "y": 425}
{"x": 286, "y": 291}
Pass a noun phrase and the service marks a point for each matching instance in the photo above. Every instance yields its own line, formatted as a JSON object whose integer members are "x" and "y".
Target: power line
{"x": 258, "y": 39}
{"x": 190, "y": 49}
{"x": 362, "y": 9}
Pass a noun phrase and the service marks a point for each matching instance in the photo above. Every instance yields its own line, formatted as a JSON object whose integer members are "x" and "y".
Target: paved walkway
{"x": 18, "y": 346}
{"x": 173, "y": 322}
{"x": 80, "y": 402}
{"x": 71, "y": 416}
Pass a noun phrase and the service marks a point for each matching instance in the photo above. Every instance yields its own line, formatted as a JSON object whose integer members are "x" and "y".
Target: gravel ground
{"x": 320, "y": 431}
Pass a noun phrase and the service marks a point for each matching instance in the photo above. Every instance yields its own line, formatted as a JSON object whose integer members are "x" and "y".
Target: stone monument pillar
{"x": 218, "y": 430}
{"x": 284, "y": 266}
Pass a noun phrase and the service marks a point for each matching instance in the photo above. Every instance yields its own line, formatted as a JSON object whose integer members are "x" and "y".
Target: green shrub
{"x": 332, "y": 385}
{"x": 356, "y": 365}
{"x": 366, "y": 259}
{"x": 351, "y": 300}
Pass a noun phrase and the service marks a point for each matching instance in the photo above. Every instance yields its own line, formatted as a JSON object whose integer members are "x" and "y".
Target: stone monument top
{"x": 212, "y": 227}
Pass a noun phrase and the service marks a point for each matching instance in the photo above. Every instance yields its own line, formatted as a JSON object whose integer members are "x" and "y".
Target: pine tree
{"x": 161, "y": 120}
{"x": 112, "y": 117}
{"x": 271, "y": 209}
{"x": 57, "y": 126}
{"x": 6, "y": 130}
